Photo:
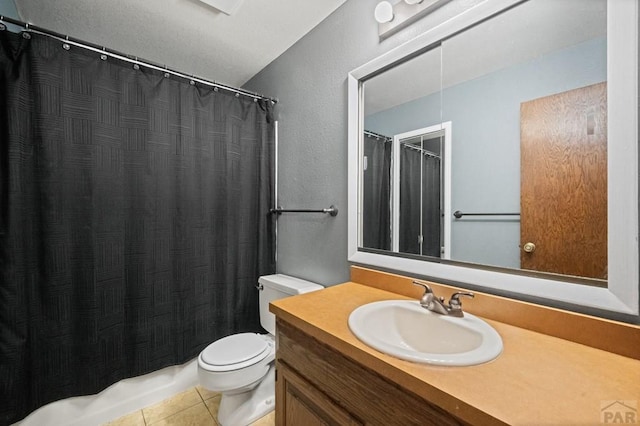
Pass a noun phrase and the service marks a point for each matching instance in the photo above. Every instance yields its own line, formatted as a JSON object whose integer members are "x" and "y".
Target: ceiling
{"x": 186, "y": 35}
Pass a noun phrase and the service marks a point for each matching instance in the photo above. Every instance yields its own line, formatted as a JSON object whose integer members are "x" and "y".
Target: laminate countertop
{"x": 537, "y": 380}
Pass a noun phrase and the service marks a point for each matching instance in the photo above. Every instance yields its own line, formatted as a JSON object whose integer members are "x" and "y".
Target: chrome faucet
{"x": 437, "y": 304}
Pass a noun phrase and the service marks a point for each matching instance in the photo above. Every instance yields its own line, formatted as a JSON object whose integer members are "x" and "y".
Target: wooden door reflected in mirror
{"x": 563, "y": 195}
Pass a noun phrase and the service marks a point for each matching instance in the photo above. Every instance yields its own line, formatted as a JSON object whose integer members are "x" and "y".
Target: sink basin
{"x": 406, "y": 330}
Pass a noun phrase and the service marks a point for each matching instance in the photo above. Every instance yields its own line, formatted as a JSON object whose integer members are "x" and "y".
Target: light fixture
{"x": 394, "y": 15}
{"x": 384, "y": 12}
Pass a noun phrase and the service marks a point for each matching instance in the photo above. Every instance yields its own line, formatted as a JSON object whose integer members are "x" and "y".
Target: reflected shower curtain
{"x": 431, "y": 216}
{"x": 134, "y": 220}
{"x": 419, "y": 203}
{"x": 376, "y": 211}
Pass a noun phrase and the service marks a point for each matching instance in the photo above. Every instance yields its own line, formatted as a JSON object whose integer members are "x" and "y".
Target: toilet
{"x": 241, "y": 366}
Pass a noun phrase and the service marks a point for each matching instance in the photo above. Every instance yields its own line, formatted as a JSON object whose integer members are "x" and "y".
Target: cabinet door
{"x": 298, "y": 402}
{"x": 338, "y": 390}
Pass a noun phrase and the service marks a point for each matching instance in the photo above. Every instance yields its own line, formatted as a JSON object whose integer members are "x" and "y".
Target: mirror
{"x": 489, "y": 147}
{"x": 493, "y": 99}
{"x": 402, "y": 144}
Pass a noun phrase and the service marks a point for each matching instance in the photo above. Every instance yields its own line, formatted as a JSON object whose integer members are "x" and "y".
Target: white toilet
{"x": 241, "y": 366}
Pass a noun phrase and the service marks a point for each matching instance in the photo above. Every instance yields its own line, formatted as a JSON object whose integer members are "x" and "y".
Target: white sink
{"x": 406, "y": 330}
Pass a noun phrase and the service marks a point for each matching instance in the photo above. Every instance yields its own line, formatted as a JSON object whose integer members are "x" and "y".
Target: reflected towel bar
{"x": 458, "y": 214}
{"x": 332, "y": 210}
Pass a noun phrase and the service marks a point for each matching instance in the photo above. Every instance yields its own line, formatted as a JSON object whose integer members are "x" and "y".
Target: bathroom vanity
{"x": 556, "y": 367}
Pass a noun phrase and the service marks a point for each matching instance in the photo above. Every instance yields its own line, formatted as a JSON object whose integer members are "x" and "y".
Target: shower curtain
{"x": 419, "y": 187}
{"x": 134, "y": 219}
{"x": 376, "y": 199}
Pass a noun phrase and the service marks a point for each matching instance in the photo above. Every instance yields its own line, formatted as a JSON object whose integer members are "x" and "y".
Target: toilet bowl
{"x": 236, "y": 363}
{"x": 241, "y": 366}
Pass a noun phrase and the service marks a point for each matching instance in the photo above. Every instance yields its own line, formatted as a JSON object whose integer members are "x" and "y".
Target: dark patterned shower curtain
{"x": 134, "y": 220}
{"x": 376, "y": 193}
{"x": 419, "y": 203}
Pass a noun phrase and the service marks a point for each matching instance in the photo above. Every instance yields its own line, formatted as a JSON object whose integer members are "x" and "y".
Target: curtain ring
{"x": 66, "y": 46}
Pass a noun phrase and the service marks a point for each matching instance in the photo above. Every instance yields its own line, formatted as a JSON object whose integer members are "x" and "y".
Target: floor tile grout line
{"x": 177, "y": 412}
{"x": 213, "y": 416}
{"x": 215, "y": 421}
{"x": 199, "y": 394}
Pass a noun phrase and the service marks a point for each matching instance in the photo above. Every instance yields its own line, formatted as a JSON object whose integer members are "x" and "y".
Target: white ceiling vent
{"x": 228, "y": 7}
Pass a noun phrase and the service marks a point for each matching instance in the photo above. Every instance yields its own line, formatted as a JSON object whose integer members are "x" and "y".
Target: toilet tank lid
{"x": 288, "y": 284}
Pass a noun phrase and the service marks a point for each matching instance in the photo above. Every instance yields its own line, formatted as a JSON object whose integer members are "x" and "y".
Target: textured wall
{"x": 310, "y": 80}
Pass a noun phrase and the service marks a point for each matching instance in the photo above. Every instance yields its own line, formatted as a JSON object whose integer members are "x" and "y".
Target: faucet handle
{"x": 427, "y": 289}
{"x": 427, "y": 298}
{"x": 455, "y": 298}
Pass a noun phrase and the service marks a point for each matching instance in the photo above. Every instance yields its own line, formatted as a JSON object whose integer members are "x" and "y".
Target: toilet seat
{"x": 236, "y": 352}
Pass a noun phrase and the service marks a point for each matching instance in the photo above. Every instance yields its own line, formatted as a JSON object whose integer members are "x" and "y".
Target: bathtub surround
{"x": 134, "y": 219}
{"x": 118, "y": 400}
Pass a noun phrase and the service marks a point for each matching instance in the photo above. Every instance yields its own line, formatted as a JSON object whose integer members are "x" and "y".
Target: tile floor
{"x": 194, "y": 407}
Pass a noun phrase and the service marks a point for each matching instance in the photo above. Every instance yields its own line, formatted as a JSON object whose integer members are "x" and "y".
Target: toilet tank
{"x": 278, "y": 286}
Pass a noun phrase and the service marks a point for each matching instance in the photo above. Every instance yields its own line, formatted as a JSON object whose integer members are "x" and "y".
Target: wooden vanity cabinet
{"x": 317, "y": 385}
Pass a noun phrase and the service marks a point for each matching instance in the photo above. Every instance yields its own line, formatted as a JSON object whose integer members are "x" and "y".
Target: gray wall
{"x": 486, "y": 162}
{"x": 310, "y": 81}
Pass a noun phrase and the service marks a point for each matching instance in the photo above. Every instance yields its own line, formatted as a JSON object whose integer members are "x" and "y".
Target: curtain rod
{"x": 129, "y": 58}
{"x": 422, "y": 150}
{"x": 458, "y": 214}
{"x": 377, "y": 135}
{"x": 332, "y": 210}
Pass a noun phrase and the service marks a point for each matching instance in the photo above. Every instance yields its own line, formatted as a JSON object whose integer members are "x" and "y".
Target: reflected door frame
{"x": 445, "y": 127}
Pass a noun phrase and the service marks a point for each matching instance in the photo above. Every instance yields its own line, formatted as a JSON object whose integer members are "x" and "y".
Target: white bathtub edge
{"x": 117, "y": 400}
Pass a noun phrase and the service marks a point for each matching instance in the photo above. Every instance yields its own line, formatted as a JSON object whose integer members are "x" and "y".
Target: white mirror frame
{"x": 622, "y": 293}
